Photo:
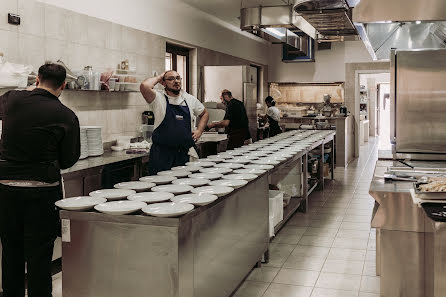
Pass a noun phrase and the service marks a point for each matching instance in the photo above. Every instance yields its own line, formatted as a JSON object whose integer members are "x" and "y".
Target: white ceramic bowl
{"x": 213, "y": 190}
{"x": 120, "y": 207}
{"x": 151, "y": 197}
{"x": 174, "y": 189}
{"x": 194, "y": 182}
{"x": 158, "y": 179}
{"x": 167, "y": 209}
{"x": 138, "y": 186}
{"x": 195, "y": 199}
{"x": 112, "y": 194}
{"x": 80, "y": 203}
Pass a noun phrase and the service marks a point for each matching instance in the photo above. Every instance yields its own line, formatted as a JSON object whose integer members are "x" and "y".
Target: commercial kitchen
{"x": 348, "y": 200}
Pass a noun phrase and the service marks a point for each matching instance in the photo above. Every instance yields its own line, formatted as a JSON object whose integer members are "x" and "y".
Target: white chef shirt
{"x": 274, "y": 113}
{"x": 159, "y": 106}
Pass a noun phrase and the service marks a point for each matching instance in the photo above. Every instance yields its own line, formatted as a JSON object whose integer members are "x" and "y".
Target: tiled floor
{"x": 328, "y": 252}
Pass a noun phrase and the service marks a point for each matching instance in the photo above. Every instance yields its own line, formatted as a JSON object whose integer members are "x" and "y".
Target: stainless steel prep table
{"x": 207, "y": 252}
{"x": 405, "y": 237}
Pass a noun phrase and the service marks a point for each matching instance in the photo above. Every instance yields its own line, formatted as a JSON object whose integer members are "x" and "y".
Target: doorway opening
{"x": 177, "y": 58}
{"x": 374, "y": 108}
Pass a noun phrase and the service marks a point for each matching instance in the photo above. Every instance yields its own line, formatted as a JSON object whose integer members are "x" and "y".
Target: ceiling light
{"x": 418, "y": 22}
{"x": 275, "y": 31}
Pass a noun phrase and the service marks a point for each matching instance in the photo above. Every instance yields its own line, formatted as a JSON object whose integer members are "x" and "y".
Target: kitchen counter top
{"x": 108, "y": 157}
{"x": 315, "y": 118}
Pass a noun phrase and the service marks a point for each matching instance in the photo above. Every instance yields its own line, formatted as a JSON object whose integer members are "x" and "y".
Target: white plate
{"x": 220, "y": 170}
{"x": 194, "y": 182}
{"x": 112, "y": 194}
{"x": 250, "y": 171}
{"x": 237, "y": 160}
{"x": 158, "y": 179}
{"x": 231, "y": 153}
{"x": 174, "y": 189}
{"x": 259, "y": 166}
{"x": 210, "y": 176}
{"x": 214, "y": 190}
{"x": 190, "y": 168}
{"x": 215, "y": 158}
{"x": 233, "y": 183}
{"x": 80, "y": 203}
{"x": 221, "y": 155}
{"x": 176, "y": 173}
{"x": 229, "y": 165}
{"x": 151, "y": 197}
{"x": 266, "y": 161}
{"x": 201, "y": 163}
{"x": 245, "y": 176}
{"x": 138, "y": 186}
{"x": 195, "y": 199}
{"x": 120, "y": 207}
{"x": 167, "y": 209}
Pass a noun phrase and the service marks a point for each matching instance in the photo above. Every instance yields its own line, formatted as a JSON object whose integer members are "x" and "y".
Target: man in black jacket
{"x": 235, "y": 121}
{"x": 40, "y": 137}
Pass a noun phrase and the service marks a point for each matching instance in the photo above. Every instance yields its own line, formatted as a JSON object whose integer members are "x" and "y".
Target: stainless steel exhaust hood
{"x": 277, "y": 24}
{"x": 400, "y": 24}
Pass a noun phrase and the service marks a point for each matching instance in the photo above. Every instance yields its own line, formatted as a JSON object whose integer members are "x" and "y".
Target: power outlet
{"x": 13, "y": 19}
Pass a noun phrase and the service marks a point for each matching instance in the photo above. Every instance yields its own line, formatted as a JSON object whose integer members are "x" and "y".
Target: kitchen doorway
{"x": 177, "y": 58}
{"x": 383, "y": 116}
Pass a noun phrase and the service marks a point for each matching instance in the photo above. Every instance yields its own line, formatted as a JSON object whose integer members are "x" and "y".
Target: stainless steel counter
{"x": 205, "y": 253}
{"x": 406, "y": 249}
{"x": 108, "y": 157}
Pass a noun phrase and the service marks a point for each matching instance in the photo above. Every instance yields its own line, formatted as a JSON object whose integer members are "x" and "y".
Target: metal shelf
{"x": 312, "y": 189}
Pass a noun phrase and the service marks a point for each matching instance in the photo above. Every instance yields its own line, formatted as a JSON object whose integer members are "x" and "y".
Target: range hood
{"x": 332, "y": 19}
{"x": 400, "y": 24}
{"x": 277, "y": 24}
{"x": 322, "y": 20}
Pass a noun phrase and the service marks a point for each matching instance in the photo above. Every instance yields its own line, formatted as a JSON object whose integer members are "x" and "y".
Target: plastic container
{"x": 276, "y": 206}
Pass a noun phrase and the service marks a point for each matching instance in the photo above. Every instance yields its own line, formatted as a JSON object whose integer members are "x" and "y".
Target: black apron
{"x": 274, "y": 127}
{"x": 171, "y": 140}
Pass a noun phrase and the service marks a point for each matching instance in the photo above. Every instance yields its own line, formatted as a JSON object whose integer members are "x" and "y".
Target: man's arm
{"x": 221, "y": 124}
{"x": 69, "y": 150}
{"x": 204, "y": 118}
{"x": 147, "y": 86}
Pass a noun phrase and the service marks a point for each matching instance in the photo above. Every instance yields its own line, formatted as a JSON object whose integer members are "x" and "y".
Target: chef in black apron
{"x": 235, "y": 121}
{"x": 173, "y": 138}
{"x": 39, "y": 137}
{"x": 273, "y": 116}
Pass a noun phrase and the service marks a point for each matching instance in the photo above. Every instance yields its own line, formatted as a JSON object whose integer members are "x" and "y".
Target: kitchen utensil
{"x": 167, "y": 209}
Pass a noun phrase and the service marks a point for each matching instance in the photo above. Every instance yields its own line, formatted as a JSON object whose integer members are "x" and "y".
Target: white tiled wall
{"x": 50, "y": 33}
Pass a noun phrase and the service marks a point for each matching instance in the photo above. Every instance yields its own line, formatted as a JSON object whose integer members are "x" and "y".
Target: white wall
{"x": 175, "y": 20}
{"x": 328, "y": 67}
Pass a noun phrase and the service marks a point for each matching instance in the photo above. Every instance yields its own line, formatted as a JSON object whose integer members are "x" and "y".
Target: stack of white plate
{"x": 84, "y": 143}
{"x": 94, "y": 140}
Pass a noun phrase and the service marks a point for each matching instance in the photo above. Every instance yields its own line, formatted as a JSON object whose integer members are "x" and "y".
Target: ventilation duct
{"x": 400, "y": 24}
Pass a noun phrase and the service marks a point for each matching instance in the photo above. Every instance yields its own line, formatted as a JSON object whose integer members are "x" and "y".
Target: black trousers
{"x": 29, "y": 224}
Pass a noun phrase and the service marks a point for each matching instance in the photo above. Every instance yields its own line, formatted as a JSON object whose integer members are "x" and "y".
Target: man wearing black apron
{"x": 173, "y": 139}
{"x": 273, "y": 116}
{"x": 40, "y": 136}
{"x": 235, "y": 121}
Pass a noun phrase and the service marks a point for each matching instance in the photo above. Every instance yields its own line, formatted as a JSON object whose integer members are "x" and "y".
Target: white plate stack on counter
{"x": 94, "y": 140}
{"x": 175, "y": 192}
{"x": 84, "y": 143}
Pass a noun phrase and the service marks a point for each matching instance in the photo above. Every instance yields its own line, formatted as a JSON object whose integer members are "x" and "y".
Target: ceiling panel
{"x": 229, "y": 10}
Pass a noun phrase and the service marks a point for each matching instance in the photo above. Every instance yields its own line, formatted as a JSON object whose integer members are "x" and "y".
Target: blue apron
{"x": 171, "y": 140}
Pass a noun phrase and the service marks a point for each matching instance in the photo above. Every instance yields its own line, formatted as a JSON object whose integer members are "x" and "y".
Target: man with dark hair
{"x": 235, "y": 121}
{"x": 40, "y": 136}
{"x": 174, "y": 137}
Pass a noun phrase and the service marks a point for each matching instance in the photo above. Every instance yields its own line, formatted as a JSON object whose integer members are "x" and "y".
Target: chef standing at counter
{"x": 172, "y": 139}
{"x": 235, "y": 121}
{"x": 40, "y": 136}
{"x": 273, "y": 116}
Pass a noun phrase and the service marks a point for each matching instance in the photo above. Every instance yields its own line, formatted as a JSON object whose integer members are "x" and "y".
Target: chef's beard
{"x": 174, "y": 91}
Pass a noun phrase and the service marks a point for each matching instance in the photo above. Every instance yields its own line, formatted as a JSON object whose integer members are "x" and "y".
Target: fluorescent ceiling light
{"x": 418, "y": 22}
{"x": 275, "y": 31}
